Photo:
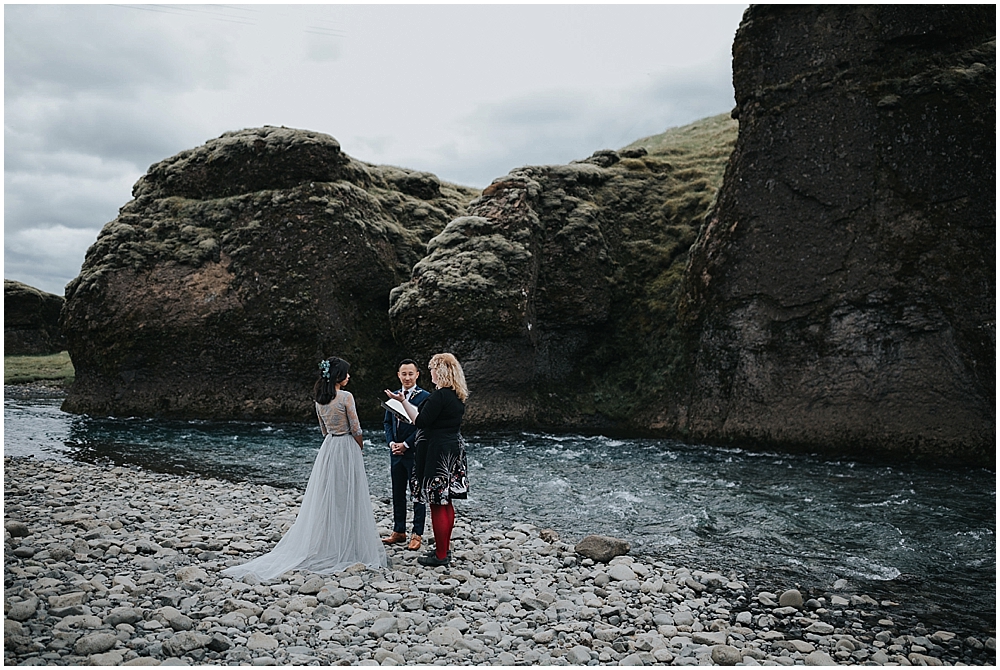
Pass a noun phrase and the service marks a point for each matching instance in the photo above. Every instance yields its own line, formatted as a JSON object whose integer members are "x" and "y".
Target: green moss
{"x": 56, "y": 368}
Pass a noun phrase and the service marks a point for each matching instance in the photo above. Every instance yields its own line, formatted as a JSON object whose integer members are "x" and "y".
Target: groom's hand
{"x": 398, "y": 448}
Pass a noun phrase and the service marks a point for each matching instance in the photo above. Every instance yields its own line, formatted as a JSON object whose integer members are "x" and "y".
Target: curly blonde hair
{"x": 450, "y": 374}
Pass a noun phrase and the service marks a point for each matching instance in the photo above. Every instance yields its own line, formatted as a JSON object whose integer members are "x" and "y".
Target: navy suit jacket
{"x": 397, "y": 430}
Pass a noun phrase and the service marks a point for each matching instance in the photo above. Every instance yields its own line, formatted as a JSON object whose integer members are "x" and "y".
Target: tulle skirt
{"x": 335, "y": 528}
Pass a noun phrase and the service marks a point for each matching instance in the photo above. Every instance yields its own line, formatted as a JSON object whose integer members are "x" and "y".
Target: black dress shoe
{"x": 431, "y": 560}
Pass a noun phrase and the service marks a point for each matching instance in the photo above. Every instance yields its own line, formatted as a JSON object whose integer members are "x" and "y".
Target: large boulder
{"x": 844, "y": 289}
{"x": 558, "y": 291}
{"x": 30, "y": 320}
{"x": 240, "y": 264}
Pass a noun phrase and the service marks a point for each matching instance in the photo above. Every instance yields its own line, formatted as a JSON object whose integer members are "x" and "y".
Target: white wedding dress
{"x": 335, "y": 528}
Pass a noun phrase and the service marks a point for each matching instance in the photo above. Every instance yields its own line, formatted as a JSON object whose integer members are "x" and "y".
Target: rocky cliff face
{"x": 30, "y": 320}
{"x": 844, "y": 289}
{"x": 237, "y": 266}
{"x": 559, "y": 290}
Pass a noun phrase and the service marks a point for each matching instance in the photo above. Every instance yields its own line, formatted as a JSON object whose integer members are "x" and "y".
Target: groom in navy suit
{"x": 400, "y": 435}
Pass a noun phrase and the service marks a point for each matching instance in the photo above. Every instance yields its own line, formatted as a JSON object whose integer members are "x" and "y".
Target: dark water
{"x": 920, "y": 536}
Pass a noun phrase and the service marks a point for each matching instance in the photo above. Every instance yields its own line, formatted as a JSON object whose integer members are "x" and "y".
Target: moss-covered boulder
{"x": 30, "y": 320}
{"x": 237, "y": 266}
{"x": 844, "y": 290}
{"x": 559, "y": 290}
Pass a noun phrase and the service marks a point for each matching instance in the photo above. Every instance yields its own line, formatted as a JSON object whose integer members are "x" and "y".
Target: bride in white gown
{"x": 335, "y": 528}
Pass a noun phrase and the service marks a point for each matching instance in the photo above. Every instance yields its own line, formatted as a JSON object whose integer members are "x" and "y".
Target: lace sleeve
{"x": 352, "y": 415}
{"x": 322, "y": 424}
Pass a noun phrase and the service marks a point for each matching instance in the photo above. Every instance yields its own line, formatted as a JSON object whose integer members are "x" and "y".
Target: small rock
{"x": 261, "y": 641}
{"x": 95, "y": 643}
{"x": 819, "y": 658}
{"x": 601, "y": 548}
{"x": 578, "y": 655}
{"x": 708, "y": 638}
{"x": 17, "y": 528}
{"x": 723, "y": 654}
{"x": 175, "y": 619}
{"x": 191, "y": 574}
{"x": 621, "y": 573}
{"x": 923, "y": 659}
{"x": 60, "y": 552}
{"x": 184, "y": 642}
{"x": 631, "y": 659}
{"x": 220, "y": 642}
{"x": 791, "y": 598}
{"x": 23, "y": 610}
{"x": 312, "y": 586}
{"x": 820, "y": 628}
{"x": 444, "y": 636}
{"x": 113, "y": 657}
{"x": 381, "y": 627}
{"x": 119, "y": 615}
{"x": 353, "y": 583}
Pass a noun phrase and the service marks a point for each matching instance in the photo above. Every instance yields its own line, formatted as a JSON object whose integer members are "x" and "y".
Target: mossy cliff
{"x": 236, "y": 267}
{"x": 559, "y": 290}
{"x": 844, "y": 288}
{"x": 30, "y": 320}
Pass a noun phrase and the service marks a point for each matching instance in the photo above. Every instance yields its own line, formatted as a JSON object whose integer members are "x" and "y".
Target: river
{"x": 918, "y": 535}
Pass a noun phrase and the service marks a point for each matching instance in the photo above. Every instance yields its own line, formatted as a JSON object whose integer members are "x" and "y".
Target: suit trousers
{"x": 400, "y": 470}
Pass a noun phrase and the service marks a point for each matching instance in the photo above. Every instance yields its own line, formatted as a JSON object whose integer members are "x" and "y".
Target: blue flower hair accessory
{"x": 324, "y": 369}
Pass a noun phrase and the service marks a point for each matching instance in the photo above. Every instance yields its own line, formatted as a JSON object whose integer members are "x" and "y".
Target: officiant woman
{"x": 440, "y": 472}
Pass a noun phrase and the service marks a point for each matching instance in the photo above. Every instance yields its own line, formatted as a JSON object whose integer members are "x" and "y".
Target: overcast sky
{"x": 95, "y": 94}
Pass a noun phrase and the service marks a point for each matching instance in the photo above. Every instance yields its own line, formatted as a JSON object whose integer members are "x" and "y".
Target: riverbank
{"x": 112, "y": 565}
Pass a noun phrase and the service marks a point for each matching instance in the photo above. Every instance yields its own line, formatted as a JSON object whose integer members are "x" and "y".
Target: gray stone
{"x": 578, "y": 655}
{"x": 683, "y": 618}
{"x": 23, "y": 609}
{"x": 260, "y": 641}
{"x": 60, "y": 552}
{"x": 113, "y": 657}
{"x": 352, "y": 583}
{"x": 175, "y": 619}
{"x": 709, "y": 638}
{"x": 128, "y": 615}
{"x": 621, "y": 573}
{"x": 381, "y": 627}
{"x": 220, "y": 642}
{"x": 444, "y": 636}
{"x": 723, "y": 654}
{"x": 95, "y": 643}
{"x": 923, "y": 659}
{"x": 601, "y": 547}
{"x": 791, "y": 598}
{"x": 17, "y": 528}
{"x": 184, "y": 642}
{"x": 820, "y": 628}
{"x": 819, "y": 658}
{"x": 312, "y": 586}
{"x": 631, "y": 659}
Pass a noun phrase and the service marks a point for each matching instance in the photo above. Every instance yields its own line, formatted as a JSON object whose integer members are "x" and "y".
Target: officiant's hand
{"x": 395, "y": 396}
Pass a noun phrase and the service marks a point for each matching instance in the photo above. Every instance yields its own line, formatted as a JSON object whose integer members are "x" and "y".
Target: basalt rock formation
{"x": 841, "y": 294}
{"x": 237, "y": 266}
{"x": 30, "y": 320}
{"x": 559, "y": 290}
{"x": 844, "y": 288}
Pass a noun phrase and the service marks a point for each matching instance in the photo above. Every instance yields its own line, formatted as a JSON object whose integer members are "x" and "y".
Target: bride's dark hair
{"x": 332, "y": 371}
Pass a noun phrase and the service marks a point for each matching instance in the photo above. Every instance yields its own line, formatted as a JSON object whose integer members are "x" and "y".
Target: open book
{"x": 396, "y": 408}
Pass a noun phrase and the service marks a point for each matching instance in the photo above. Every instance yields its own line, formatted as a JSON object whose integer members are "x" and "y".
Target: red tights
{"x": 442, "y": 521}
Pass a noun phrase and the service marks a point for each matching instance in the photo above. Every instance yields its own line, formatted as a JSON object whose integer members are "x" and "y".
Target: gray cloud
{"x": 94, "y": 94}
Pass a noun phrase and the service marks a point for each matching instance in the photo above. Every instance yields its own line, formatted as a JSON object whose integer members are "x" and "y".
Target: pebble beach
{"x": 109, "y": 565}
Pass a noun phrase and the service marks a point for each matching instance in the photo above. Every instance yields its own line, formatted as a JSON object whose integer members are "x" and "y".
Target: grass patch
{"x": 54, "y": 368}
